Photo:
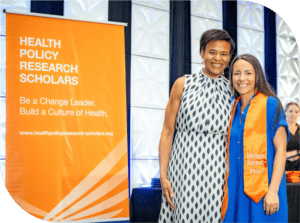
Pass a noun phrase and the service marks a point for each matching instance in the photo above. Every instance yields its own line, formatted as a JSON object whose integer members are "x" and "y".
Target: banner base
{"x": 115, "y": 220}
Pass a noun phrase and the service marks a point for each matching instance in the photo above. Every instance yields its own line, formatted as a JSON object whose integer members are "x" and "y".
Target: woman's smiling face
{"x": 243, "y": 78}
{"x": 216, "y": 57}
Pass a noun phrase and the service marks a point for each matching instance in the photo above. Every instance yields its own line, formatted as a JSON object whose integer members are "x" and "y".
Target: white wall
{"x": 149, "y": 86}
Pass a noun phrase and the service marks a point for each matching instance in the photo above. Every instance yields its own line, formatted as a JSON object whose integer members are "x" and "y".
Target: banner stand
{"x": 66, "y": 124}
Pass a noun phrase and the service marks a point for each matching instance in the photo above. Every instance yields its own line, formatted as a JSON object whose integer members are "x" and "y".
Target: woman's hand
{"x": 167, "y": 192}
{"x": 292, "y": 153}
{"x": 271, "y": 200}
{"x": 271, "y": 203}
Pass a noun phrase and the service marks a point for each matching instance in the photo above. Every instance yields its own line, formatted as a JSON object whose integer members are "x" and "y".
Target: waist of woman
{"x": 203, "y": 132}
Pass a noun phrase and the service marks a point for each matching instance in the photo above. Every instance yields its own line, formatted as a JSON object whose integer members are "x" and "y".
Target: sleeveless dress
{"x": 197, "y": 162}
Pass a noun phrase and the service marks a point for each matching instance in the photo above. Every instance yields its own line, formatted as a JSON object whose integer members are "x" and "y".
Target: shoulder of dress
{"x": 225, "y": 81}
{"x": 226, "y": 84}
{"x": 272, "y": 100}
{"x": 272, "y": 105}
{"x": 190, "y": 75}
{"x": 193, "y": 75}
{"x": 190, "y": 78}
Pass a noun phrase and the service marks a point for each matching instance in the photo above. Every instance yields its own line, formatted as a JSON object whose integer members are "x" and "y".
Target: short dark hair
{"x": 212, "y": 35}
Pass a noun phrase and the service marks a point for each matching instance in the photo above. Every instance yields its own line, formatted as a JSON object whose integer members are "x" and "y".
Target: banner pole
{"x": 63, "y": 17}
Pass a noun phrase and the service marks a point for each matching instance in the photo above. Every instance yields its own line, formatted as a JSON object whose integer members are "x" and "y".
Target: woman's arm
{"x": 165, "y": 144}
{"x": 271, "y": 200}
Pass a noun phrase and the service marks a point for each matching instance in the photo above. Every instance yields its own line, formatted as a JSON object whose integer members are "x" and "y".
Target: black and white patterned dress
{"x": 197, "y": 163}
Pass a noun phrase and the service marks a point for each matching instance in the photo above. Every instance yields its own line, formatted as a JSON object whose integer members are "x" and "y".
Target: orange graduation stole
{"x": 255, "y": 151}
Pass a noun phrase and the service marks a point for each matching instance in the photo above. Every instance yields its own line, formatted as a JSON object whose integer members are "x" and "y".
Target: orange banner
{"x": 66, "y": 139}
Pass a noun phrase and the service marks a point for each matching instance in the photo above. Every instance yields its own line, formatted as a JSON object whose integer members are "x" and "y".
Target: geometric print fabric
{"x": 197, "y": 163}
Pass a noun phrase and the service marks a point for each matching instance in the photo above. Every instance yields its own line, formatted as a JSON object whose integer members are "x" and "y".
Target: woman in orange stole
{"x": 255, "y": 187}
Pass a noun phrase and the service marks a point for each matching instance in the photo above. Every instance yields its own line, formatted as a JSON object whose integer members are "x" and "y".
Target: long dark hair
{"x": 261, "y": 83}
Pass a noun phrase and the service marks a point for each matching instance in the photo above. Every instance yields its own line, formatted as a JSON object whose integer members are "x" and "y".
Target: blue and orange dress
{"x": 240, "y": 207}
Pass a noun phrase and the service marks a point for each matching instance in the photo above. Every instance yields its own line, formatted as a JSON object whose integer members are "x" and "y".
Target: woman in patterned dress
{"x": 255, "y": 182}
{"x": 192, "y": 167}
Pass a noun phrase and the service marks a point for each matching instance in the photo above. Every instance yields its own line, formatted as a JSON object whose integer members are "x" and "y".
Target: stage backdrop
{"x": 66, "y": 139}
